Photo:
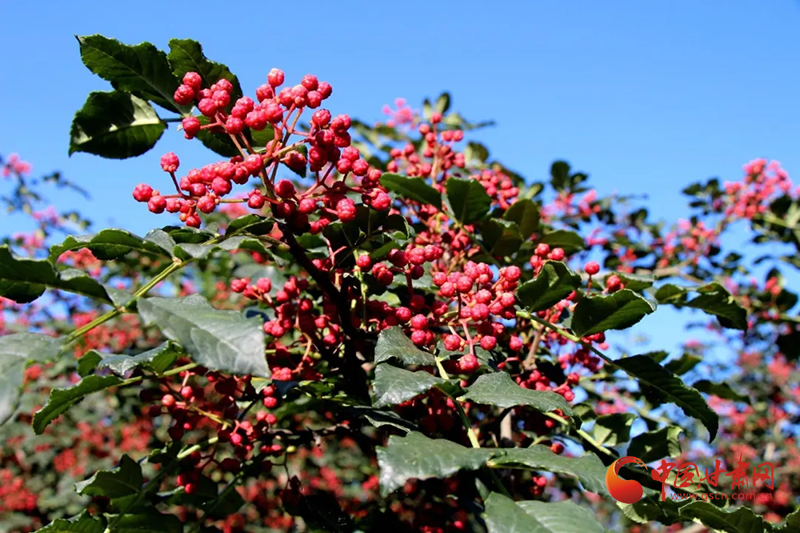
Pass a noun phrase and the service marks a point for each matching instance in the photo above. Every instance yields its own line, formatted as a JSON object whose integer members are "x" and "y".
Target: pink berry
{"x": 469, "y": 363}
{"x": 193, "y": 80}
{"x": 275, "y": 77}
{"x": 419, "y": 322}
{"x": 142, "y": 192}
{"x": 191, "y": 126}
{"x": 184, "y": 95}
{"x": 285, "y": 189}
{"x": 488, "y": 342}
{"x": 170, "y": 162}
{"x": 592, "y": 268}
{"x": 157, "y": 204}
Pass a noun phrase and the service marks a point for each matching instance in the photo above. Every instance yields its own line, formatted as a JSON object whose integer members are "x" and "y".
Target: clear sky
{"x": 645, "y": 96}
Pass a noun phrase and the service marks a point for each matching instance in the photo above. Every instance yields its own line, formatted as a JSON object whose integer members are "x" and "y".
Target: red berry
{"x": 419, "y": 322}
{"x": 168, "y": 400}
{"x": 321, "y": 117}
{"x": 234, "y": 126}
{"x": 592, "y": 268}
{"x": 157, "y": 204}
{"x": 452, "y": 343}
{"x": 221, "y": 186}
{"x": 191, "y": 126}
{"x": 364, "y": 261}
{"x": 142, "y": 192}
{"x": 488, "y": 342}
{"x": 613, "y": 283}
{"x": 206, "y": 204}
{"x": 346, "y": 209}
{"x": 275, "y": 77}
{"x": 285, "y": 189}
{"x": 184, "y": 95}
{"x": 170, "y": 162}
{"x": 255, "y": 201}
{"x": 469, "y": 363}
{"x": 193, "y": 80}
{"x": 187, "y": 392}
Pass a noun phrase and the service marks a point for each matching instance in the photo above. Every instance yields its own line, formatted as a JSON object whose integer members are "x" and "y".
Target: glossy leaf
{"x": 142, "y": 69}
{"x": 500, "y": 390}
{"x": 570, "y": 241}
{"x": 720, "y": 390}
{"x": 503, "y": 515}
{"x": 16, "y": 351}
{"x": 416, "y": 189}
{"x": 650, "y": 373}
{"x": 394, "y": 385}
{"x": 186, "y": 55}
{"x": 613, "y": 429}
{"x": 108, "y": 244}
{"x": 525, "y": 213}
{"x": 83, "y": 523}
{"x": 620, "y": 310}
{"x": 115, "y": 125}
{"x": 124, "y": 480}
{"x": 553, "y": 283}
{"x": 501, "y": 237}
{"x": 157, "y": 360}
{"x": 218, "y": 340}
{"x": 655, "y": 445}
{"x": 469, "y": 201}
{"x": 588, "y": 468}
{"x": 62, "y": 399}
{"x": 394, "y": 344}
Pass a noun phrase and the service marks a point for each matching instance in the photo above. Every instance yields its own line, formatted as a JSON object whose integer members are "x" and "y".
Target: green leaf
{"x": 655, "y": 445}
{"x": 217, "y": 141}
{"x": 62, "y": 399}
{"x": 713, "y": 298}
{"x": 503, "y": 515}
{"x": 670, "y": 294}
{"x": 142, "y": 69}
{"x": 620, "y": 310}
{"x": 526, "y": 214}
{"x": 648, "y": 372}
{"x": 553, "y": 283}
{"x": 720, "y": 390}
{"x": 634, "y": 282}
{"x": 393, "y": 344}
{"x": 614, "y": 429}
{"x": 124, "y": 480}
{"x": 475, "y": 153}
{"x": 559, "y": 175}
{"x": 380, "y": 418}
{"x": 443, "y": 103}
{"x": 499, "y": 389}
{"x": 24, "y": 280}
{"x": 203, "y": 251}
{"x": 157, "y": 360}
{"x": 218, "y": 340}
{"x": 147, "y": 522}
{"x": 416, "y": 189}
{"x": 394, "y": 385}
{"x": 738, "y": 519}
{"x": 88, "y": 362}
{"x": 109, "y": 244}
{"x": 186, "y": 55}
{"x": 16, "y": 351}
{"x": 500, "y": 237}
{"x": 588, "y": 468}
{"x": 469, "y": 201}
{"x": 415, "y": 456}
{"x": 115, "y": 125}
{"x": 83, "y": 523}
{"x": 569, "y": 241}
{"x": 683, "y": 364}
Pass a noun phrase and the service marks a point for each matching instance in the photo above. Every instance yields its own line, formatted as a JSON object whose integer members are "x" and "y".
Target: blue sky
{"x": 646, "y": 97}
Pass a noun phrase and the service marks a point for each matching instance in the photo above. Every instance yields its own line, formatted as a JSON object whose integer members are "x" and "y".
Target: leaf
{"x": 501, "y": 237}
{"x": 612, "y": 430}
{"x": 124, "y": 480}
{"x": 739, "y": 519}
{"x": 682, "y": 365}
{"x": 148, "y": 522}
{"x": 415, "y": 456}
{"x": 394, "y": 385}
{"x": 620, "y": 310}
{"x": 647, "y": 371}
{"x": 469, "y": 201}
{"x": 553, "y": 283}
{"x": 416, "y": 189}
{"x": 380, "y": 418}
{"x": 475, "y": 153}
{"x": 713, "y": 298}
{"x": 218, "y": 340}
{"x": 443, "y": 103}
{"x": 526, "y": 214}
{"x": 186, "y": 55}
{"x": 588, "y": 468}
{"x": 393, "y": 344}
{"x": 251, "y": 223}
{"x": 499, "y": 389}
{"x": 559, "y": 175}
{"x": 88, "y": 362}
{"x": 115, "y": 125}
{"x": 142, "y": 69}
{"x": 62, "y": 399}
{"x": 24, "y": 280}
{"x": 216, "y": 140}
{"x": 569, "y": 241}
{"x": 634, "y": 282}
{"x": 158, "y": 360}
{"x": 654, "y": 445}
{"x": 503, "y": 515}
{"x": 720, "y": 390}
{"x": 83, "y": 523}
{"x": 203, "y": 251}
{"x": 109, "y": 244}
{"x": 16, "y": 351}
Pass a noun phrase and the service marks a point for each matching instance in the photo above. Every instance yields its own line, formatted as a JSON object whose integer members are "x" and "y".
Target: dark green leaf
{"x": 500, "y": 237}
{"x": 738, "y": 519}
{"x": 186, "y": 55}
{"x": 142, "y": 69}
{"x": 635, "y": 282}
{"x": 16, "y": 351}
{"x": 394, "y": 344}
{"x": 62, "y": 399}
{"x": 394, "y": 385}
{"x": 670, "y": 294}
{"x": 499, "y": 389}
{"x": 716, "y": 300}
{"x": 148, "y": 522}
{"x": 683, "y": 365}
{"x": 108, "y": 244}
{"x": 88, "y": 362}
{"x": 620, "y": 310}
{"x": 157, "y": 360}
{"x": 655, "y": 445}
{"x": 647, "y": 371}
{"x": 468, "y": 199}
{"x": 505, "y": 516}
{"x": 415, "y": 456}
{"x": 83, "y": 523}
{"x": 720, "y": 390}
{"x": 559, "y": 175}
{"x": 475, "y": 153}
{"x": 443, "y": 103}
{"x": 587, "y": 468}
{"x": 216, "y": 140}
{"x": 526, "y": 214}
{"x": 553, "y": 283}
{"x": 115, "y": 125}
{"x": 416, "y": 189}
{"x": 124, "y": 480}
{"x": 569, "y": 241}
{"x": 218, "y": 340}
{"x": 614, "y": 429}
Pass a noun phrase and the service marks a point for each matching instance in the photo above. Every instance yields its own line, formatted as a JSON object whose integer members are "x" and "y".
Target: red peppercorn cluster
{"x": 498, "y": 186}
{"x": 330, "y": 155}
{"x": 542, "y": 253}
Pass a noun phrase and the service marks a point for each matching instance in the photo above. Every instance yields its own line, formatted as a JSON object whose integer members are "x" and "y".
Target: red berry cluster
{"x": 499, "y": 187}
